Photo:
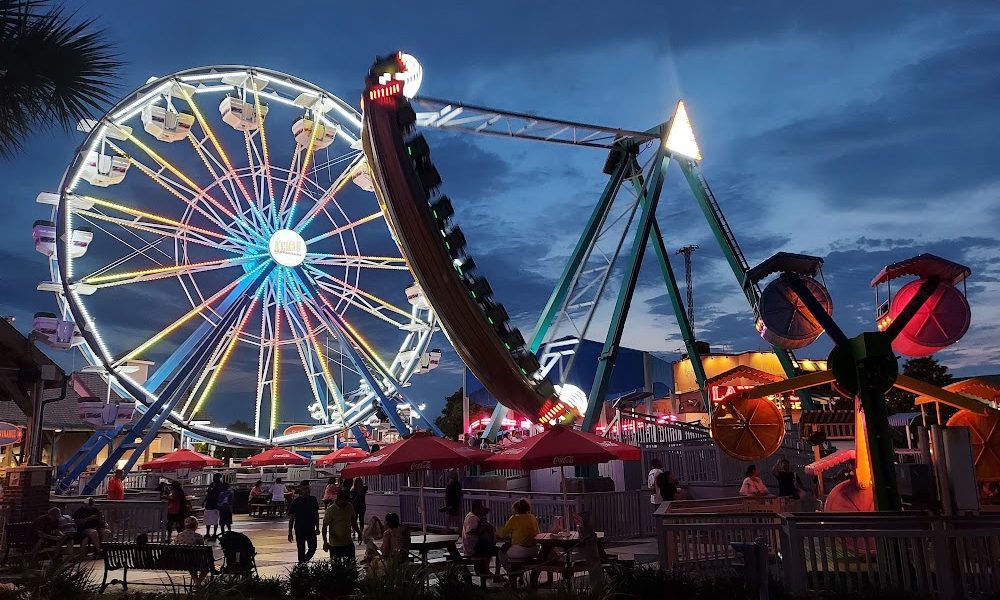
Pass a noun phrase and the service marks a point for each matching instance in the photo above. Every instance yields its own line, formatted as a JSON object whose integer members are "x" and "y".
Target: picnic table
{"x": 423, "y": 545}
{"x": 554, "y": 546}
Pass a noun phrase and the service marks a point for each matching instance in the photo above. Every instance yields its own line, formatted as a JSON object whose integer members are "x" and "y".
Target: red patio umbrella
{"x": 347, "y": 454}
{"x": 275, "y": 457}
{"x": 561, "y": 447}
{"x": 181, "y": 459}
{"x": 418, "y": 452}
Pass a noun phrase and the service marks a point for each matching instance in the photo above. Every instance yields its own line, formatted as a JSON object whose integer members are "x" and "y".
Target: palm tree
{"x": 53, "y": 71}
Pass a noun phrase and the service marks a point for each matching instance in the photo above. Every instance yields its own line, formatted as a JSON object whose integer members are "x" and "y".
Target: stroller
{"x": 239, "y": 553}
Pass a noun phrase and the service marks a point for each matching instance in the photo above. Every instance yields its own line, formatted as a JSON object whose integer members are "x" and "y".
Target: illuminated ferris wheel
{"x": 217, "y": 233}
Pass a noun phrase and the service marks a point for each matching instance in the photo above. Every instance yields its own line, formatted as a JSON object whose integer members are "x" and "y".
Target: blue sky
{"x": 864, "y": 133}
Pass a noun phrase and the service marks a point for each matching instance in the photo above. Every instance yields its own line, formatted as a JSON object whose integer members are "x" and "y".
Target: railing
{"x": 949, "y": 558}
{"x": 126, "y": 518}
{"x": 620, "y": 515}
{"x": 706, "y": 463}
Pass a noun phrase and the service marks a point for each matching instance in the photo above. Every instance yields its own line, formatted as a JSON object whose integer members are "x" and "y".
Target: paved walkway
{"x": 275, "y": 555}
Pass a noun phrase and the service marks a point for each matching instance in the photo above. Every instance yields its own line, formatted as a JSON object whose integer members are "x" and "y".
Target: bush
{"x": 325, "y": 579}
{"x": 61, "y": 580}
{"x": 395, "y": 581}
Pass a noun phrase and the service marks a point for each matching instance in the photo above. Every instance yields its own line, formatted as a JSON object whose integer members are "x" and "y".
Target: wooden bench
{"x": 154, "y": 557}
{"x": 267, "y": 510}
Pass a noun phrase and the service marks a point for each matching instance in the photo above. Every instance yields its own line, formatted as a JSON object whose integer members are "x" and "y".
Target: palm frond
{"x": 54, "y": 70}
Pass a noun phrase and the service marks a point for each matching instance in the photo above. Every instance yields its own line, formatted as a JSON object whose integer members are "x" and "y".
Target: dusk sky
{"x": 861, "y": 132}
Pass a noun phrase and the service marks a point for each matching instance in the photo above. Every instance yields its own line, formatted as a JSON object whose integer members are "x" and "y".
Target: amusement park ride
{"x": 274, "y": 262}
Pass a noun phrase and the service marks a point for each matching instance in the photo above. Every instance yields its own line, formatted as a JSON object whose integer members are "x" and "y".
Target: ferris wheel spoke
{"x": 303, "y": 172}
{"x": 348, "y": 293}
{"x": 147, "y": 245}
{"x": 264, "y": 356}
{"x": 154, "y": 218}
{"x": 353, "y": 169}
{"x": 179, "y": 192}
{"x": 347, "y": 226}
{"x": 215, "y": 143}
{"x": 164, "y": 163}
{"x": 233, "y": 341}
{"x": 279, "y": 304}
{"x": 202, "y": 376}
{"x": 162, "y": 230}
{"x": 302, "y": 341}
{"x": 197, "y": 310}
{"x": 198, "y": 146}
{"x": 392, "y": 263}
{"x": 116, "y": 279}
{"x": 263, "y": 143}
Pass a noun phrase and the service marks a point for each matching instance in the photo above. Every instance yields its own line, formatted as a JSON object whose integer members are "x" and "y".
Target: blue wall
{"x": 627, "y": 376}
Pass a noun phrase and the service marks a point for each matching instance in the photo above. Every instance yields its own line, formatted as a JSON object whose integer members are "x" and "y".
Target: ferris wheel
{"x": 216, "y": 237}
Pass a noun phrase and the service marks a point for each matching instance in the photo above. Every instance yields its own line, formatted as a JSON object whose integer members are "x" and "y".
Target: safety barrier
{"x": 945, "y": 557}
{"x": 126, "y": 518}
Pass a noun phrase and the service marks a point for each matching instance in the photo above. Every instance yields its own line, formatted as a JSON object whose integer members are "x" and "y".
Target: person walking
{"x": 338, "y": 521}
{"x": 359, "y": 499}
{"x": 453, "y": 501}
{"x": 177, "y": 508}
{"x": 211, "y": 504}
{"x": 226, "y": 500}
{"x": 116, "y": 486}
{"x": 655, "y": 468}
{"x": 330, "y": 491}
{"x": 753, "y": 485}
{"x": 303, "y": 522}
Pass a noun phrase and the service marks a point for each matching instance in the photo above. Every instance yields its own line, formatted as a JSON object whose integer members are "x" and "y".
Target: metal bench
{"x": 154, "y": 557}
{"x": 19, "y": 536}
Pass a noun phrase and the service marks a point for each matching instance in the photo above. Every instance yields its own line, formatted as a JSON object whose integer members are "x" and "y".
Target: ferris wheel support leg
{"x": 360, "y": 437}
{"x": 734, "y": 256}
{"x": 496, "y": 421}
{"x": 609, "y": 354}
{"x": 663, "y": 258}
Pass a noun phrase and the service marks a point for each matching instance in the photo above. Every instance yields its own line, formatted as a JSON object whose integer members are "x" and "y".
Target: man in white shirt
{"x": 478, "y": 536}
{"x": 656, "y": 467}
{"x": 278, "y": 491}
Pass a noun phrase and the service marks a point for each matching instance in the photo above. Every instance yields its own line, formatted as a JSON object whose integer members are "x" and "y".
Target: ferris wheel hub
{"x": 287, "y": 248}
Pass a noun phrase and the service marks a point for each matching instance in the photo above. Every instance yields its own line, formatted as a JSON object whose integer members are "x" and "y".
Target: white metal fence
{"x": 949, "y": 558}
{"x": 620, "y": 515}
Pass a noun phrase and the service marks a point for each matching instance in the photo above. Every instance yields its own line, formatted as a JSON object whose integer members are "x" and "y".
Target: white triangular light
{"x": 680, "y": 138}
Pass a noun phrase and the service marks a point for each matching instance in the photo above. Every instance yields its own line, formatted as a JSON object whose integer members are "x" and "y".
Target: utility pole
{"x": 687, "y": 251}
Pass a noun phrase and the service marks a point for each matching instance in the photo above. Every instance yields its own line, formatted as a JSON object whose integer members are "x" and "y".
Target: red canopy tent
{"x": 347, "y": 454}
{"x": 181, "y": 459}
{"x": 561, "y": 447}
{"x": 418, "y": 452}
{"x": 275, "y": 457}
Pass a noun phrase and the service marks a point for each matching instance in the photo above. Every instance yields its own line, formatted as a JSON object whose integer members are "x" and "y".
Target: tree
{"x": 450, "y": 420}
{"x": 225, "y": 452}
{"x": 53, "y": 71}
{"x": 926, "y": 369}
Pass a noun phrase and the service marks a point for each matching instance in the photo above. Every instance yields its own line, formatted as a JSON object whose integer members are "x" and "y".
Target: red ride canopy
{"x": 275, "y": 457}
{"x": 559, "y": 447}
{"x": 420, "y": 451}
{"x": 181, "y": 459}
{"x": 347, "y": 454}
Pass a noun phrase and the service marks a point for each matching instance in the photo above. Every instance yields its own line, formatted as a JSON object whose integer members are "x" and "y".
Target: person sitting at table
{"x": 373, "y": 531}
{"x": 479, "y": 537}
{"x": 49, "y": 535}
{"x": 91, "y": 526}
{"x": 395, "y": 540}
{"x": 521, "y": 529}
{"x": 278, "y": 491}
{"x": 753, "y": 485}
{"x": 257, "y": 493}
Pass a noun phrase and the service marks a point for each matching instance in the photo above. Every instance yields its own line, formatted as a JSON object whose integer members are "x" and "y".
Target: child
{"x": 372, "y": 534}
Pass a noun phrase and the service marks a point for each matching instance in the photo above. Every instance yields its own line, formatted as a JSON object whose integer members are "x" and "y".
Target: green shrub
{"x": 395, "y": 581}
{"x": 325, "y": 579}
{"x": 66, "y": 580}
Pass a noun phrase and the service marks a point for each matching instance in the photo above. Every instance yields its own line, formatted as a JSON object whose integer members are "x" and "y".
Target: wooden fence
{"x": 950, "y": 558}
